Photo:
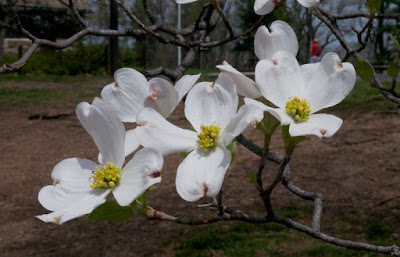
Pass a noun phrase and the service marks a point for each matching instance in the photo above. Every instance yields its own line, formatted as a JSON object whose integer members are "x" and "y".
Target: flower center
{"x": 208, "y": 136}
{"x": 105, "y": 176}
{"x": 298, "y": 108}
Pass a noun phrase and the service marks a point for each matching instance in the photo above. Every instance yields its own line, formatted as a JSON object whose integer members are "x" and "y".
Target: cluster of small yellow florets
{"x": 105, "y": 176}
{"x": 208, "y": 136}
{"x": 298, "y": 108}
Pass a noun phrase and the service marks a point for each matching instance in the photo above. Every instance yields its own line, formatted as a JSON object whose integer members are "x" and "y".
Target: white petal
{"x": 278, "y": 113}
{"x": 260, "y": 105}
{"x": 202, "y": 174}
{"x": 131, "y": 142}
{"x": 328, "y": 82}
{"x": 163, "y": 97}
{"x": 262, "y": 7}
{"x": 321, "y": 125}
{"x": 156, "y": 132}
{"x": 78, "y": 208}
{"x": 185, "y": 1}
{"x": 247, "y": 115}
{"x": 280, "y": 78}
{"x": 140, "y": 173}
{"x": 315, "y": 73}
{"x": 309, "y": 3}
{"x": 70, "y": 196}
{"x": 244, "y": 85}
{"x": 127, "y": 94}
{"x": 106, "y": 129}
{"x": 209, "y": 103}
{"x": 280, "y": 37}
{"x": 183, "y": 85}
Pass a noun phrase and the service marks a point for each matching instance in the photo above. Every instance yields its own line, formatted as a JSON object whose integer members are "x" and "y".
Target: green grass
{"x": 11, "y": 97}
{"x": 256, "y": 240}
{"x": 251, "y": 240}
{"x": 15, "y": 77}
{"x": 240, "y": 239}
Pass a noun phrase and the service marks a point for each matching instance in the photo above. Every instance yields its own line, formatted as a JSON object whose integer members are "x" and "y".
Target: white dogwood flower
{"x": 80, "y": 185}
{"x": 301, "y": 91}
{"x": 280, "y": 37}
{"x": 131, "y": 93}
{"x": 262, "y": 7}
{"x": 211, "y": 110}
{"x": 185, "y": 1}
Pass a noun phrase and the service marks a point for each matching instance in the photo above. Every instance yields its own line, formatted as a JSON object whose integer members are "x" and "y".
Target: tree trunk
{"x": 2, "y": 36}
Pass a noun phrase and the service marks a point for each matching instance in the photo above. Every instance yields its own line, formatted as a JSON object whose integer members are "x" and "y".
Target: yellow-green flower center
{"x": 106, "y": 176}
{"x": 208, "y": 136}
{"x": 298, "y": 108}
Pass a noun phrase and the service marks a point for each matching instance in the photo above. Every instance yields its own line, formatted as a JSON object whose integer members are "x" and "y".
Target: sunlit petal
{"x": 262, "y": 7}
{"x": 156, "y": 132}
{"x": 183, "y": 85}
{"x": 202, "y": 174}
{"x": 106, "y": 129}
{"x": 280, "y": 78}
{"x": 140, "y": 173}
{"x": 321, "y": 125}
{"x": 127, "y": 94}
{"x": 247, "y": 115}
{"x": 280, "y": 37}
{"x": 209, "y": 103}
{"x": 244, "y": 85}
{"x": 163, "y": 96}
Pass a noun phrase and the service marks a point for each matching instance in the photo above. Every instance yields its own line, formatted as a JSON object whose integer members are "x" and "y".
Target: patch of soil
{"x": 357, "y": 171}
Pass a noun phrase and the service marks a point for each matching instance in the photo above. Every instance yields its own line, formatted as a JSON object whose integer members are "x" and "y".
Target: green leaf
{"x": 364, "y": 70}
{"x": 285, "y": 134}
{"x": 396, "y": 42}
{"x": 111, "y": 211}
{"x": 393, "y": 70}
{"x": 373, "y": 5}
{"x": 261, "y": 127}
{"x": 232, "y": 148}
{"x": 271, "y": 123}
{"x": 139, "y": 207}
{"x": 291, "y": 142}
{"x": 253, "y": 178}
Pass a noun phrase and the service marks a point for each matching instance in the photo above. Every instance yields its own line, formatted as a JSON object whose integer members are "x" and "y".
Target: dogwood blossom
{"x": 185, "y": 1}
{"x": 267, "y": 42}
{"x": 80, "y": 185}
{"x": 301, "y": 91}
{"x": 262, "y": 7}
{"x": 211, "y": 110}
{"x": 131, "y": 93}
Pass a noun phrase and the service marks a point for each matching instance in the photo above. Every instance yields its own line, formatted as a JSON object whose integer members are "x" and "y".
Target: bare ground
{"x": 357, "y": 170}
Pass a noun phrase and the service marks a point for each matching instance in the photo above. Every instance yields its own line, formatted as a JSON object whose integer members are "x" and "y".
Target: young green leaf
{"x": 291, "y": 142}
{"x": 232, "y": 148}
{"x": 393, "y": 70}
{"x": 111, "y": 211}
{"x": 373, "y": 5}
{"x": 396, "y": 42}
{"x": 253, "y": 178}
{"x": 364, "y": 70}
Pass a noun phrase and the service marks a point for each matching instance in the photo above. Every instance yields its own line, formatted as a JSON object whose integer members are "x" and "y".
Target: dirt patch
{"x": 358, "y": 172}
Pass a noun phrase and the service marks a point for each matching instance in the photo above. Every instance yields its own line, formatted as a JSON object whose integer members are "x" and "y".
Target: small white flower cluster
{"x": 298, "y": 92}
